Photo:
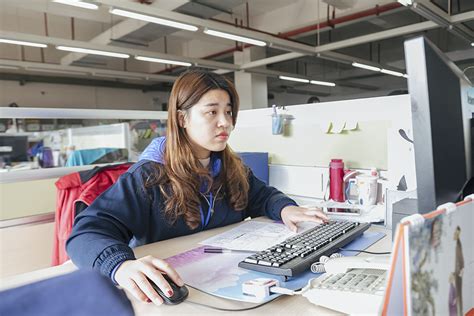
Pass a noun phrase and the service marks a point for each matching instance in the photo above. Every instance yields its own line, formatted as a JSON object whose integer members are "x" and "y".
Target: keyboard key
{"x": 264, "y": 263}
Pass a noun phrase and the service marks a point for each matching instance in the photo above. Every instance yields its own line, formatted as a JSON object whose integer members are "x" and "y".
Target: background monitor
{"x": 13, "y": 148}
{"x": 441, "y": 124}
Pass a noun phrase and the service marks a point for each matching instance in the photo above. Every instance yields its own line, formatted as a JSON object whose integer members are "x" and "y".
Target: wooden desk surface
{"x": 285, "y": 305}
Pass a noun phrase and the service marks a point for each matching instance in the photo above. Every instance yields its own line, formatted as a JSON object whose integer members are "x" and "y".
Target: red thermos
{"x": 336, "y": 174}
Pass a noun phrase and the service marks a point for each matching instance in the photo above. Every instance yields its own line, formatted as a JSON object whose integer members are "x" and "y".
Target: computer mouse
{"x": 179, "y": 293}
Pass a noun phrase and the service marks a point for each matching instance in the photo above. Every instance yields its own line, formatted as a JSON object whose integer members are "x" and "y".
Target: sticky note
{"x": 326, "y": 127}
{"x": 350, "y": 125}
{"x": 338, "y": 127}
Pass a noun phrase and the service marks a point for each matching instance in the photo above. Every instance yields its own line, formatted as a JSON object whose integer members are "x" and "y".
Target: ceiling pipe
{"x": 377, "y": 10}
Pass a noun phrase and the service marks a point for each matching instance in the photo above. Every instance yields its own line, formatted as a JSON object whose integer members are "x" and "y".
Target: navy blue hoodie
{"x": 128, "y": 215}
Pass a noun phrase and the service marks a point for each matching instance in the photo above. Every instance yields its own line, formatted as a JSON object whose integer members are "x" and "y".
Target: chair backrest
{"x": 75, "y": 192}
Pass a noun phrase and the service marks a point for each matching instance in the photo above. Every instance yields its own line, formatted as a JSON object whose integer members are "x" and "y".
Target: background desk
{"x": 286, "y": 305}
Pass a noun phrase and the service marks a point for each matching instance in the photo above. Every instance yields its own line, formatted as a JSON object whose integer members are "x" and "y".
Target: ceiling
{"x": 308, "y": 39}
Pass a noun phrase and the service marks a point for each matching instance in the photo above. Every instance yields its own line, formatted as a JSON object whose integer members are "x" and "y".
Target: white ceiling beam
{"x": 462, "y": 17}
{"x": 404, "y": 30}
{"x": 133, "y": 52}
{"x": 83, "y": 71}
{"x": 399, "y": 31}
{"x": 272, "y": 41}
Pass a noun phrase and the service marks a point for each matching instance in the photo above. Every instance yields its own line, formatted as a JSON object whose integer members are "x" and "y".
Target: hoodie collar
{"x": 155, "y": 151}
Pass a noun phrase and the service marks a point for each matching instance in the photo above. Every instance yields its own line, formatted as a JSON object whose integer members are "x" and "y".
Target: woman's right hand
{"x": 132, "y": 275}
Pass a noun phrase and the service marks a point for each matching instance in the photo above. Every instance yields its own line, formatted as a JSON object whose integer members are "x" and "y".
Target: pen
{"x": 223, "y": 250}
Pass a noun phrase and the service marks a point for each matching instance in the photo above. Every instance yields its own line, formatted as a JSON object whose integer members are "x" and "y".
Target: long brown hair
{"x": 181, "y": 175}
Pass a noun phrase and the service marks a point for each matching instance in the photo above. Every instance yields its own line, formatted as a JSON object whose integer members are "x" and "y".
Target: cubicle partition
{"x": 27, "y": 188}
{"x": 365, "y": 133}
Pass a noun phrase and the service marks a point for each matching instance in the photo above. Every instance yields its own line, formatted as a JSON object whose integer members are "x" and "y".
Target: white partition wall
{"x": 299, "y": 158}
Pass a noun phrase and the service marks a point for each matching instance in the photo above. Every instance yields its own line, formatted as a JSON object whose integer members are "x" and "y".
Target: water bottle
{"x": 336, "y": 183}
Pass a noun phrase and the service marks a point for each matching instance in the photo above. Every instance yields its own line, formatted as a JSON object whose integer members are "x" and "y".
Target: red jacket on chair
{"x": 83, "y": 186}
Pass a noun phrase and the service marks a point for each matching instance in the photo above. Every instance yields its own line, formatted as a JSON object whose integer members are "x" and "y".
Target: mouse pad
{"x": 219, "y": 275}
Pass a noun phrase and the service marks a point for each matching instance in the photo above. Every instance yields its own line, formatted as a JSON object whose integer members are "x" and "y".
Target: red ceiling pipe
{"x": 332, "y": 22}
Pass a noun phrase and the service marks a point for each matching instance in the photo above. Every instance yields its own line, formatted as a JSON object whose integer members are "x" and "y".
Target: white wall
{"x": 74, "y": 96}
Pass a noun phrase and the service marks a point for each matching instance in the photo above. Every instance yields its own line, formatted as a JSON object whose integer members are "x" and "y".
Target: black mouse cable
{"x": 226, "y": 309}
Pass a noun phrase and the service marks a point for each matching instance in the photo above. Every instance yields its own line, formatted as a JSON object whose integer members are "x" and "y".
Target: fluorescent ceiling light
{"x": 363, "y": 66}
{"x": 222, "y": 71}
{"x": 391, "y": 72}
{"x": 235, "y": 37}
{"x": 163, "y": 61}
{"x": 152, "y": 19}
{"x": 405, "y": 76}
{"x": 92, "y": 51}
{"x": 57, "y": 71}
{"x": 15, "y": 42}
{"x": 80, "y": 4}
{"x": 323, "y": 83}
{"x": 405, "y": 2}
{"x": 293, "y": 79}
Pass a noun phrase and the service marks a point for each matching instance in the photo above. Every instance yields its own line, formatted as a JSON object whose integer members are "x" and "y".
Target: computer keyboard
{"x": 296, "y": 254}
{"x": 369, "y": 281}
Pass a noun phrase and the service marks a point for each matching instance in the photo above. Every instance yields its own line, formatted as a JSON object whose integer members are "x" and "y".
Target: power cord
{"x": 318, "y": 267}
{"x": 365, "y": 251}
{"x": 226, "y": 309}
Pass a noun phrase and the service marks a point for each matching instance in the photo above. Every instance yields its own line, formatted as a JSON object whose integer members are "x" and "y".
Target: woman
{"x": 185, "y": 183}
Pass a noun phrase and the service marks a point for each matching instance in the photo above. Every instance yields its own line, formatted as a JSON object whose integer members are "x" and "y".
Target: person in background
{"x": 13, "y": 125}
{"x": 186, "y": 182}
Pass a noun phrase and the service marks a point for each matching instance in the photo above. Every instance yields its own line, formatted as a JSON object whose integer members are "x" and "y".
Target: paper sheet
{"x": 253, "y": 236}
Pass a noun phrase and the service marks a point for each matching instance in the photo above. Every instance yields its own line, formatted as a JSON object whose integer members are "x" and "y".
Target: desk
{"x": 286, "y": 305}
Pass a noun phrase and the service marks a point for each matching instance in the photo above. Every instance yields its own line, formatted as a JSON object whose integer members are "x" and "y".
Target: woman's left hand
{"x": 291, "y": 215}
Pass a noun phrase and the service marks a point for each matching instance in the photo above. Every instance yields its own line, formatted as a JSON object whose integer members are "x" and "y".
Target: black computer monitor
{"x": 13, "y": 148}
{"x": 441, "y": 124}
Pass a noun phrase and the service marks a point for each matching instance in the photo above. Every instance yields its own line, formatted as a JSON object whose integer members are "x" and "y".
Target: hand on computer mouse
{"x": 135, "y": 276}
{"x": 180, "y": 293}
